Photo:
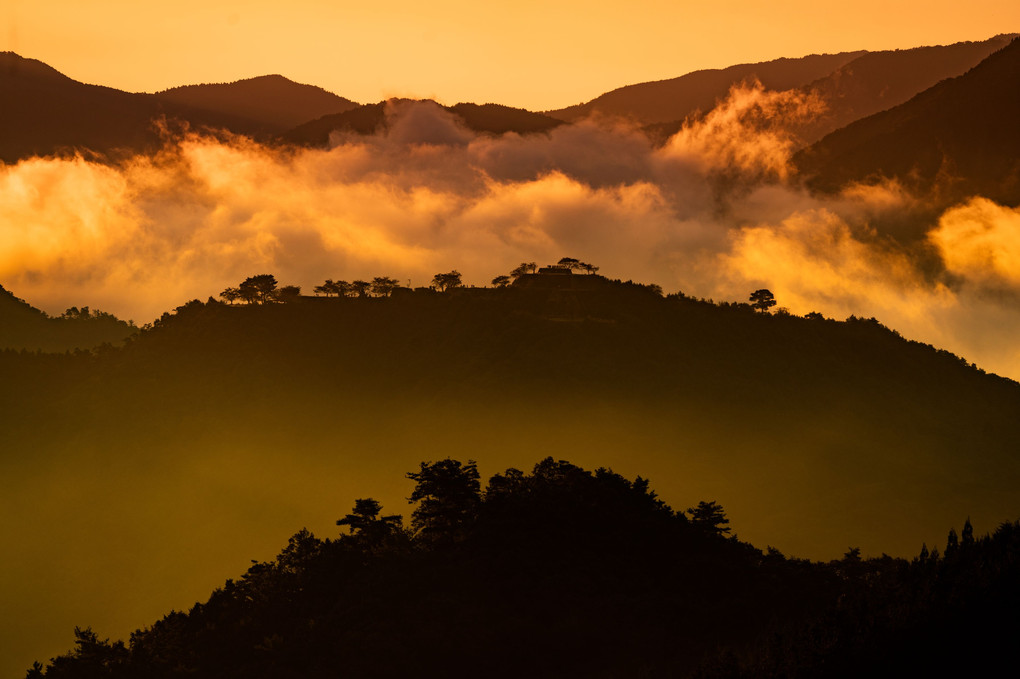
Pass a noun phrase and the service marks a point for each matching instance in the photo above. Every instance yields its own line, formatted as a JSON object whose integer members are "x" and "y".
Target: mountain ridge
{"x": 272, "y": 99}
{"x": 951, "y": 141}
{"x": 708, "y": 85}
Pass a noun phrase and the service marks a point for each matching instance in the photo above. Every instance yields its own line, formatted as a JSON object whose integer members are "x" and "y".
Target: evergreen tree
{"x": 449, "y": 494}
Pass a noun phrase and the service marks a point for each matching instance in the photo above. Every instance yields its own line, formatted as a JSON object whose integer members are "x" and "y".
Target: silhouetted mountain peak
{"x": 14, "y": 65}
{"x": 271, "y": 99}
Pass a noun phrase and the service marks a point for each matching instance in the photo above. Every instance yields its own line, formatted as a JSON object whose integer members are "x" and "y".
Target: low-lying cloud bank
{"x": 715, "y": 212}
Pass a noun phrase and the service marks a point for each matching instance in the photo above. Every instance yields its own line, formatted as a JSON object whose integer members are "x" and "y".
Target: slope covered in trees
{"x": 563, "y": 572}
{"x": 214, "y": 433}
{"x": 22, "y": 326}
{"x": 877, "y": 81}
{"x": 952, "y": 141}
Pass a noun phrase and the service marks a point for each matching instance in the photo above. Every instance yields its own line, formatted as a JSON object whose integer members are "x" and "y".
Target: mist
{"x": 715, "y": 212}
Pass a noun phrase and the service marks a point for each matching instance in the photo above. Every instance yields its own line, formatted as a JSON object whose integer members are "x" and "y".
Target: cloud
{"x": 980, "y": 243}
{"x": 747, "y": 133}
{"x": 713, "y": 212}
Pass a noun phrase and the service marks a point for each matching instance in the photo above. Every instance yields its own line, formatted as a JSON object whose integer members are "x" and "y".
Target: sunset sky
{"x": 531, "y": 54}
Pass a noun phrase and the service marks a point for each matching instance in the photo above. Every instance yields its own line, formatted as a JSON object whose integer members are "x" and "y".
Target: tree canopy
{"x": 260, "y": 289}
{"x": 762, "y": 300}
{"x": 446, "y": 281}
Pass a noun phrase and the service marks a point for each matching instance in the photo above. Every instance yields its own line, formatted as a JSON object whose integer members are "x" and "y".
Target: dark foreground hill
{"x": 568, "y": 573}
{"x": 210, "y": 436}
{"x": 952, "y": 141}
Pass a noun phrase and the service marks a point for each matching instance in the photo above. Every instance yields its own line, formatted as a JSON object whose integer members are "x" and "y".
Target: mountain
{"x": 213, "y": 434}
{"x": 23, "y": 327}
{"x": 371, "y": 118}
{"x": 668, "y": 101}
{"x": 852, "y": 85}
{"x": 271, "y": 99}
{"x": 877, "y": 81}
{"x": 954, "y": 140}
{"x": 45, "y": 112}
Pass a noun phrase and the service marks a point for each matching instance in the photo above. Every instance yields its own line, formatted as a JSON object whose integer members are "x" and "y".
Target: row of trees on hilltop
{"x": 383, "y": 286}
{"x": 380, "y": 286}
{"x": 264, "y": 289}
{"x": 260, "y": 289}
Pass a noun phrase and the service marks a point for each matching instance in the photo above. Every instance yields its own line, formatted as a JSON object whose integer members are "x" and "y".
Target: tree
{"x": 952, "y": 542}
{"x": 91, "y": 657}
{"x": 967, "y": 538}
{"x": 710, "y": 517}
{"x": 231, "y": 295}
{"x": 501, "y": 281}
{"x": 383, "y": 286}
{"x": 523, "y": 268}
{"x": 449, "y": 494}
{"x": 360, "y": 288}
{"x": 588, "y": 267}
{"x": 364, "y": 520}
{"x": 260, "y": 289}
{"x": 762, "y": 300}
{"x": 288, "y": 293}
{"x": 446, "y": 281}
{"x": 569, "y": 263}
{"x": 328, "y": 288}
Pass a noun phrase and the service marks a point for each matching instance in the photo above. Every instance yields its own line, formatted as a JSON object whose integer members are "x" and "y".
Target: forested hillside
{"x": 22, "y": 326}
{"x": 562, "y": 572}
{"x": 216, "y": 432}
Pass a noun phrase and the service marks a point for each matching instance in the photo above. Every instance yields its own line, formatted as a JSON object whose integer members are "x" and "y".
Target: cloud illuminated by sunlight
{"x": 427, "y": 195}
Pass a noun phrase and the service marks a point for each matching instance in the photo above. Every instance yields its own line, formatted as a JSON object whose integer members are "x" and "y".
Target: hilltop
{"x": 271, "y": 99}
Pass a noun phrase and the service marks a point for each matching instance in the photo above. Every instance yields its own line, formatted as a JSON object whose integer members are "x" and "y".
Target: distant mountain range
{"x": 371, "y": 118}
{"x": 852, "y": 84}
{"x": 668, "y": 101}
{"x": 45, "y": 112}
{"x": 270, "y": 99}
{"x": 956, "y": 139}
{"x": 934, "y": 117}
{"x": 876, "y": 81}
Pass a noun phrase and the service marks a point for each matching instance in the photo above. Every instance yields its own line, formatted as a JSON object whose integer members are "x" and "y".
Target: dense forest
{"x": 565, "y": 572}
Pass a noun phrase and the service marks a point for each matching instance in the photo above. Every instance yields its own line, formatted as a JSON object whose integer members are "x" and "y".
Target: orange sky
{"x": 538, "y": 55}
